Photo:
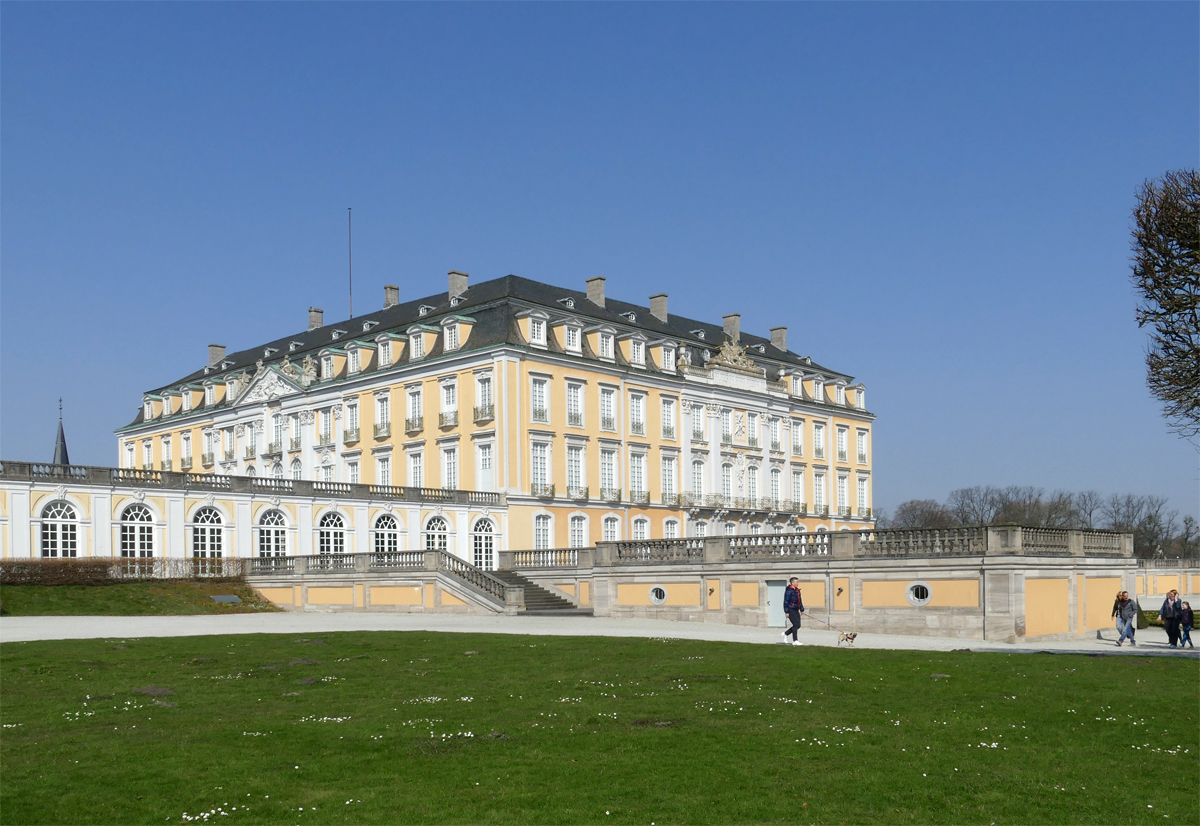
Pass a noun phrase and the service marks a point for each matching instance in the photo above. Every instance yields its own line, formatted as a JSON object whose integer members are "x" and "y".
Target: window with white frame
{"x": 606, "y": 346}
{"x": 326, "y": 367}
{"x": 862, "y": 399}
{"x": 668, "y": 418}
{"x": 608, "y": 470}
{"x": 731, "y": 529}
{"x": 352, "y": 474}
{"x": 818, "y": 440}
{"x": 130, "y": 461}
{"x": 352, "y": 418}
{"x": 610, "y": 529}
{"x": 483, "y": 544}
{"x": 147, "y": 453}
{"x": 671, "y": 529}
{"x": 668, "y": 359}
{"x": 166, "y": 450}
{"x": 701, "y": 529}
{"x": 450, "y": 468}
{"x": 210, "y": 395}
{"x": 331, "y": 534}
{"x": 668, "y": 475}
{"x": 843, "y": 494}
{"x": 449, "y": 397}
{"x": 137, "y": 532}
{"x": 697, "y": 478}
{"x": 727, "y": 426}
{"x": 385, "y": 353}
{"x": 752, "y": 429}
{"x": 451, "y": 337}
{"x": 541, "y": 532}
{"x": 774, "y": 491}
{"x": 608, "y": 416}
{"x": 727, "y": 480}
{"x": 538, "y": 403}
{"x": 355, "y": 359}
{"x": 326, "y": 473}
{"x": 60, "y": 531}
{"x": 277, "y": 425}
{"x": 839, "y": 394}
{"x": 637, "y": 414}
{"x": 383, "y": 471}
{"x": 537, "y": 331}
{"x": 573, "y": 338}
{"x": 437, "y": 534}
{"x": 272, "y": 534}
{"x": 416, "y": 469}
{"x": 187, "y": 400}
{"x": 574, "y": 469}
{"x": 818, "y": 390}
{"x": 862, "y": 493}
{"x": 641, "y": 528}
{"x": 797, "y": 386}
{"x": 577, "y": 537}
{"x": 297, "y": 469}
{"x": 483, "y": 392}
{"x": 486, "y": 479}
{"x": 539, "y": 467}
{"x": 574, "y": 405}
{"x": 637, "y": 352}
{"x": 416, "y": 346}
{"x": 383, "y": 411}
{"x": 818, "y": 490}
{"x": 862, "y": 447}
{"x": 637, "y": 473}
{"x": 755, "y": 528}
{"x": 387, "y": 535}
{"x": 414, "y": 405}
{"x": 798, "y": 437}
{"x": 185, "y": 444}
{"x": 752, "y": 482}
{"x": 776, "y": 431}
{"x": 697, "y": 421}
{"x": 324, "y": 420}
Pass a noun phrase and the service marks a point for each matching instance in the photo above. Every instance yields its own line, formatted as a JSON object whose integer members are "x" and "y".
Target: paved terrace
{"x": 1151, "y": 641}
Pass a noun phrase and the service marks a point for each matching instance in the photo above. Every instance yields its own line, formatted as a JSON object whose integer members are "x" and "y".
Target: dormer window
{"x": 452, "y": 337}
{"x": 187, "y": 400}
{"x": 606, "y": 345}
{"x": 537, "y": 331}
{"x": 761, "y": 348}
{"x": 147, "y": 410}
{"x": 210, "y": 395}
{"x": 862, "y": 399}
{"x": 267, "y": 353}
{"x": 327, "y": 367}
{"x": 225, "y": 365}
{"x": 416, "y": 346}
{"x": 637, "y": 352}
{"x": 424, "y": 310}
{"x": 338, "y": 334}
{"x": 698, "y": 334}
{"x": 355, "y": 358}
{"x": 456, "y": 300}
{"x": 631, "y": 316}
{"x": 569, "y": 303}
{"x": 367, "y": 325}
{"x": 294, "y": 346}
{"x": 818, "y": 390}
{"x": 797, "y": 386}
{"x": 840, "y": 394}
{"x": 385, "y": 353}
{"x": 669, "y": 359}
{"x": 573, "y": 338}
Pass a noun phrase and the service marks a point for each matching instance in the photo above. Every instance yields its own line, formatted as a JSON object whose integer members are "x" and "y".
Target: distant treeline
{"x": 1156, "y": 530}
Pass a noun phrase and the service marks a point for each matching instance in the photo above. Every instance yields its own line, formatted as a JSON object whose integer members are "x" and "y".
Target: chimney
{"x": 458, "y": 283}
{"x": 216, "y": 352}
{"x": 314, "y": 318}
{"x": 658, "y": 307}
{"x": 595, "y": 290}
{"x": 733, "y": 326}
{"x": 391, "y": 295}
{"x": 779, "y": 338}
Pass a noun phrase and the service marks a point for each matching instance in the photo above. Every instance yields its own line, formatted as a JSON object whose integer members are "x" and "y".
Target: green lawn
{"x": 135, "y": 598}
{"x": 411, "y": 728}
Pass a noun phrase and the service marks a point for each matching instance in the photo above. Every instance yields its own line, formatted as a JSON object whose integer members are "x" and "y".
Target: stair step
{"x": 539, "y": 600}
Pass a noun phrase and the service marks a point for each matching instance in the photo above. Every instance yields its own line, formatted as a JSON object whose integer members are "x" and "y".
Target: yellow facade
{"x": 1047, "y": 606}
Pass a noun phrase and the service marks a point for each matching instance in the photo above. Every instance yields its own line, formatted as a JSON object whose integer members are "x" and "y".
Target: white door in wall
{"x": 775, "y": 615}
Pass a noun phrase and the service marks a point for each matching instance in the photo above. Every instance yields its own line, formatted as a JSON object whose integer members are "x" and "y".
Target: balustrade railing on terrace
{"x": 1179, "y": 562}
{"x": 107, "y": 476}
{"x": 766, "y": 545}
{"x": 661, "y": 550}
{"x": 558, "y": 558}
{"x": 924, "y": 542}
{"x": 1045, "y": 540}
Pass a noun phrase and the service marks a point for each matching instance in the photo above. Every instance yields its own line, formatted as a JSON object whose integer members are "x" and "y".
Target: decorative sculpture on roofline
{"x": 733, "y": 355}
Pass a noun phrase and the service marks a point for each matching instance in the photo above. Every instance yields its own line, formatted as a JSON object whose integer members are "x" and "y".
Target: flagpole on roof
{"x": 350, "y": 250}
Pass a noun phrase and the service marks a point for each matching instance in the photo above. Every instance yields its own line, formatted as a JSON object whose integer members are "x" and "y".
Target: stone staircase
{"x": 541, "y": 601}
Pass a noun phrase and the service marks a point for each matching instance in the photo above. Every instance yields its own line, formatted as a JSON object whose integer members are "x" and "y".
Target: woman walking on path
{"x": 1186, "y": 620}
{"x": 1125, "y": 610}
{"x": 1170, "y": 613}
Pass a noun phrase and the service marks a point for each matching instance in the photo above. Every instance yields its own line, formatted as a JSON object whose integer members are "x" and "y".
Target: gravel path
{"x": 1152, "y": 641}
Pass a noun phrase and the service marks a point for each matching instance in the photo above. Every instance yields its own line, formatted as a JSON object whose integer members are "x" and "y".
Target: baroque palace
{"x": 600, "y": 420}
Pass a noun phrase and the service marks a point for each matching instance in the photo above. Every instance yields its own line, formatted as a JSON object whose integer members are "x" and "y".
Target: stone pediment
{"x": 265, "y": 385}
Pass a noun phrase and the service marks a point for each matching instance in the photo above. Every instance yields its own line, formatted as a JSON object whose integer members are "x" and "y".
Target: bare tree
{"x": 921, "y": 513}
{"x": 1020, "y": 504}
{"x": 1189, "y": 537}
{"x": 974, "y": 506}
{"x": 1166, "y": 272}
{"x": 1087, "y": 508}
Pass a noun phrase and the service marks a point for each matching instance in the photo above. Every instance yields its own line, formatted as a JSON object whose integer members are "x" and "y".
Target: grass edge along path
{"x": 424, "y": 727}
{"x": 146, "y": 598}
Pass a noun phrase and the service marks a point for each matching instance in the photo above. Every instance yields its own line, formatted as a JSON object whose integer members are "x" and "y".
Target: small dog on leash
{"x": 843, "y": 637}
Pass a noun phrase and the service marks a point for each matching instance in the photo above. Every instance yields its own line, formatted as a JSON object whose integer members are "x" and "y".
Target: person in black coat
{"x": 1171, "y": 613}
{"x": 1186, "y": 620}
{"x": 793, "y": 604}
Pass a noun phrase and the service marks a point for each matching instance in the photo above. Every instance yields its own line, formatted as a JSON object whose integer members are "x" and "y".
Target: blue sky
{"x": 933, "y": 197}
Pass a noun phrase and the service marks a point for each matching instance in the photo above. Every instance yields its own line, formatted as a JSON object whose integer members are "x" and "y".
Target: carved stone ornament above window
{"x": 307, "y": 417}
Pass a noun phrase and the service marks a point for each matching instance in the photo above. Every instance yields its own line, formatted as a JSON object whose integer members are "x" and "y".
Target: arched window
{"x": 137, "y": 532}
{"x": 671, "y": 529}
{"x": 482, "y": 545}
{"x": 801, "y": 529}
{"x": 331, "y": 538}
{"x": 701, "y": 529}
{"x": 541, "y": 532}
{"x": 60, "y": 532}
{"x": 272, "y": 534}
{"x": 755, "y": 528}
{"x": 436, "y": 538}
{"x": 277, "y": 470}
{"x": 250, "y": 470}
{"x": 207, "y": 534}
{"x": 297, "y": 469}
{"x": 387, "y": 537}
{"x": 731, "y": 529}
{"x": 578, "y": 532}
{"x": 641, "y": 529}
{"x": 611, "y": 527}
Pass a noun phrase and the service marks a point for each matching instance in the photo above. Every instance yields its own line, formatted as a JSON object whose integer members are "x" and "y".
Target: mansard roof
{"x": 494, "y": 305}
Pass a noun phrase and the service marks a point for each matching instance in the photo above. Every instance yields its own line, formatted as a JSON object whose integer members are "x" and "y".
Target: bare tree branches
{"x": 1166, "y": 272}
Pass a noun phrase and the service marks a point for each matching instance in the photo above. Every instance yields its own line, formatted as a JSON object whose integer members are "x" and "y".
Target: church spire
{"x": 60, "y": 444}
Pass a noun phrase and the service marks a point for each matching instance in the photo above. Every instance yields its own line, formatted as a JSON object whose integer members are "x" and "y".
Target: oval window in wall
{"x": 918, "y": 593}
{"x": 658, "y": 595}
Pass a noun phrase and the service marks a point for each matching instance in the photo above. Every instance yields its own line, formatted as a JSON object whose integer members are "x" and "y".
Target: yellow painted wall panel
{"x": 449, "y": 598}
{"x": 430, "y": 591}
{"x": 360, "y": 593}
{"x": 682, "y": 593}
{"x": 1141, "y": 585}
{"x": 1080, "y": 603}
{"x": 743, "y": 594}
{"x": 585, "y": 593}
{"x": 633, "y": 593}
{"x": 714, "y": 594}
{"x": 1165, "y": 583}
{"x": 1047, "y": 607}
{"x": 1195, "y": 584}
{"x": 813, "y": 594}
{"x": 566, "y": 588}
{"x": 953, "y": 593}
{"x": 395, "y": 594}
{"x": 1100, "y": 593}
{"x": 279, "y": 596}
{"x": 330, "y": 596}
{"x": 884, "y": 594}
{"x": 841, "y": 601}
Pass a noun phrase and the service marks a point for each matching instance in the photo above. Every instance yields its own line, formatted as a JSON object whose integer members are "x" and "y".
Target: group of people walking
{"x": 1176, "y": 616}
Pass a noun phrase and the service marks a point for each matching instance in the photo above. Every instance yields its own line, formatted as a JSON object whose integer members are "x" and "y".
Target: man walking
{"x": 793, "y": 604}
{"x": 1126, "y": 613}
{"x": 1170, "y": 613}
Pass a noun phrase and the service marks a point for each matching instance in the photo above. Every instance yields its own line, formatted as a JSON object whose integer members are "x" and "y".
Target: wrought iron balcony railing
{"x": 843, "y": 510}
{"x": 185, "y": 463}
{"x": 325, "y": 440}
{"x": 697, "y": 435}
{"x": 610, "y": 494}
{"x": 577, "y": 493}
{"x": 350, "y": 435}
{"x": 575, "y": 419}
{"x": 483, "y": 412}
{"x": 639, "y": 497}
{"x": 818, "y": 452}
{"x": 415, "y": 424}
{"x": 541, "y": 414}
{"x": 541, "y": 489}
{"x": 165, "y": 464}
{"x": 716, "y": 500}
{"x": 862, "y": 458}
{"x": 864, "y": 513}
{"x": 672, "y": 500}
{"x": 608, "y": 423}
{"x": 206, "y": 459}
{"x": 448, "y": 419}
{"x": 294, "y": 443}
{"x": 383, "y": 429}
{"x": 776, "y": 446}
{"x": 668, "y": 432}
{"x": 250, "y": 452}
{"x": 753, "y": 442}
{"x": 843, "y": 456}
{"x": 637, "y": 428}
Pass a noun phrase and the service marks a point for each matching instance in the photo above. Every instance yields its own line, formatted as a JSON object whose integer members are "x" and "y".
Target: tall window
{"x": 414, "y": 405}
{"x": 452, "y": 337}
{"x": 326, "y": 417}
{"x": 575, "y": 405}
{"x": 818, "y": 490}
{"x": 671, "y": 529}
{"x": 637, "y": 352}
{"x": 450, "y": 469}
{"x": 325, "y": 473}
{"x": 210, "y": 395}
{"x": 541, "y": 532}
{"x": 606, "y": 346}
{"x": 578, "y": 536}
{"x": 385, "y": 353}
{"x": 538, "y": 401}
{"x": 798, "y": 486}
{"x": 331, "y": 534}
{"x": 776, "y": 428}
{"x": 355, "y": 358}
{"x": 862, "y": 399}
{"x": 277, "y": 426}
{"x": 668, "y": 359}
{"x": 668, "y": 476}
{"x": 839, "y": 393}
{"x": 698, "y": 478}
{"x": 352, "y": 418}
{"x": 862, "y": 447}
{"x": 185, "y": 445}
{"x": 416, "y": 470}
{"x": 641, "y": 529}
{"x": 539, "y": 465}
{"x": 277, "y": 470}
{"x": 818, "y": 390}
{"x": 326, "y": 367}
{"x": 798, "y": 437}
{"x": 297, "y": 469}
{"x": 537, "y": 331}
{"x": 701, "y": 529}
{"x": 752, "y": 482}
{"x": 207, "y": 534}
{"x": 697, "y": 421}
{"x": 272, "y": 534}
{"x": 436, "y": 535}
{"x": 608, "y": 469}
{"x": 383, "y": 471}
{"x": 485, "y": 392}
{"x": 668, "y": 418}
{"x": 843, "y": 494}
{"x": 842, "y": 448}
{"x": 383, "y": 410}
{"x": 726, "y": 426}
{"x": 60, "y": 531}
{"x": 353, "y": 476}
{"x": 416, "y": 346}
{"x": 610, "y": 529}
{"x": 775, "y": 476}
{"x": 572, "y": 338}
{"x": 727, "y": 480}
{"x": 752, "y": 430}
{"x": 129, "y": 459}
{"x": 637, "y": 473}
{"x": 818, "y": 440}
{"x": 187, "y": 400}
{"x": 574, "y": 468}
{"x": 387, "y": 536}
{"x": 637, "y": 414}
{"x": 608, "y": 417}
{"x": 147, "y": 453}
{"x": 482, "y": 545}
{"x": 797, "y": 386}
{"x": 862, "y": 493}
{"x": 449, "y": 397}
{"x": 137, "y": 532}
{"x": 486, "y": 478}
{"x": 166, "y": 451}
